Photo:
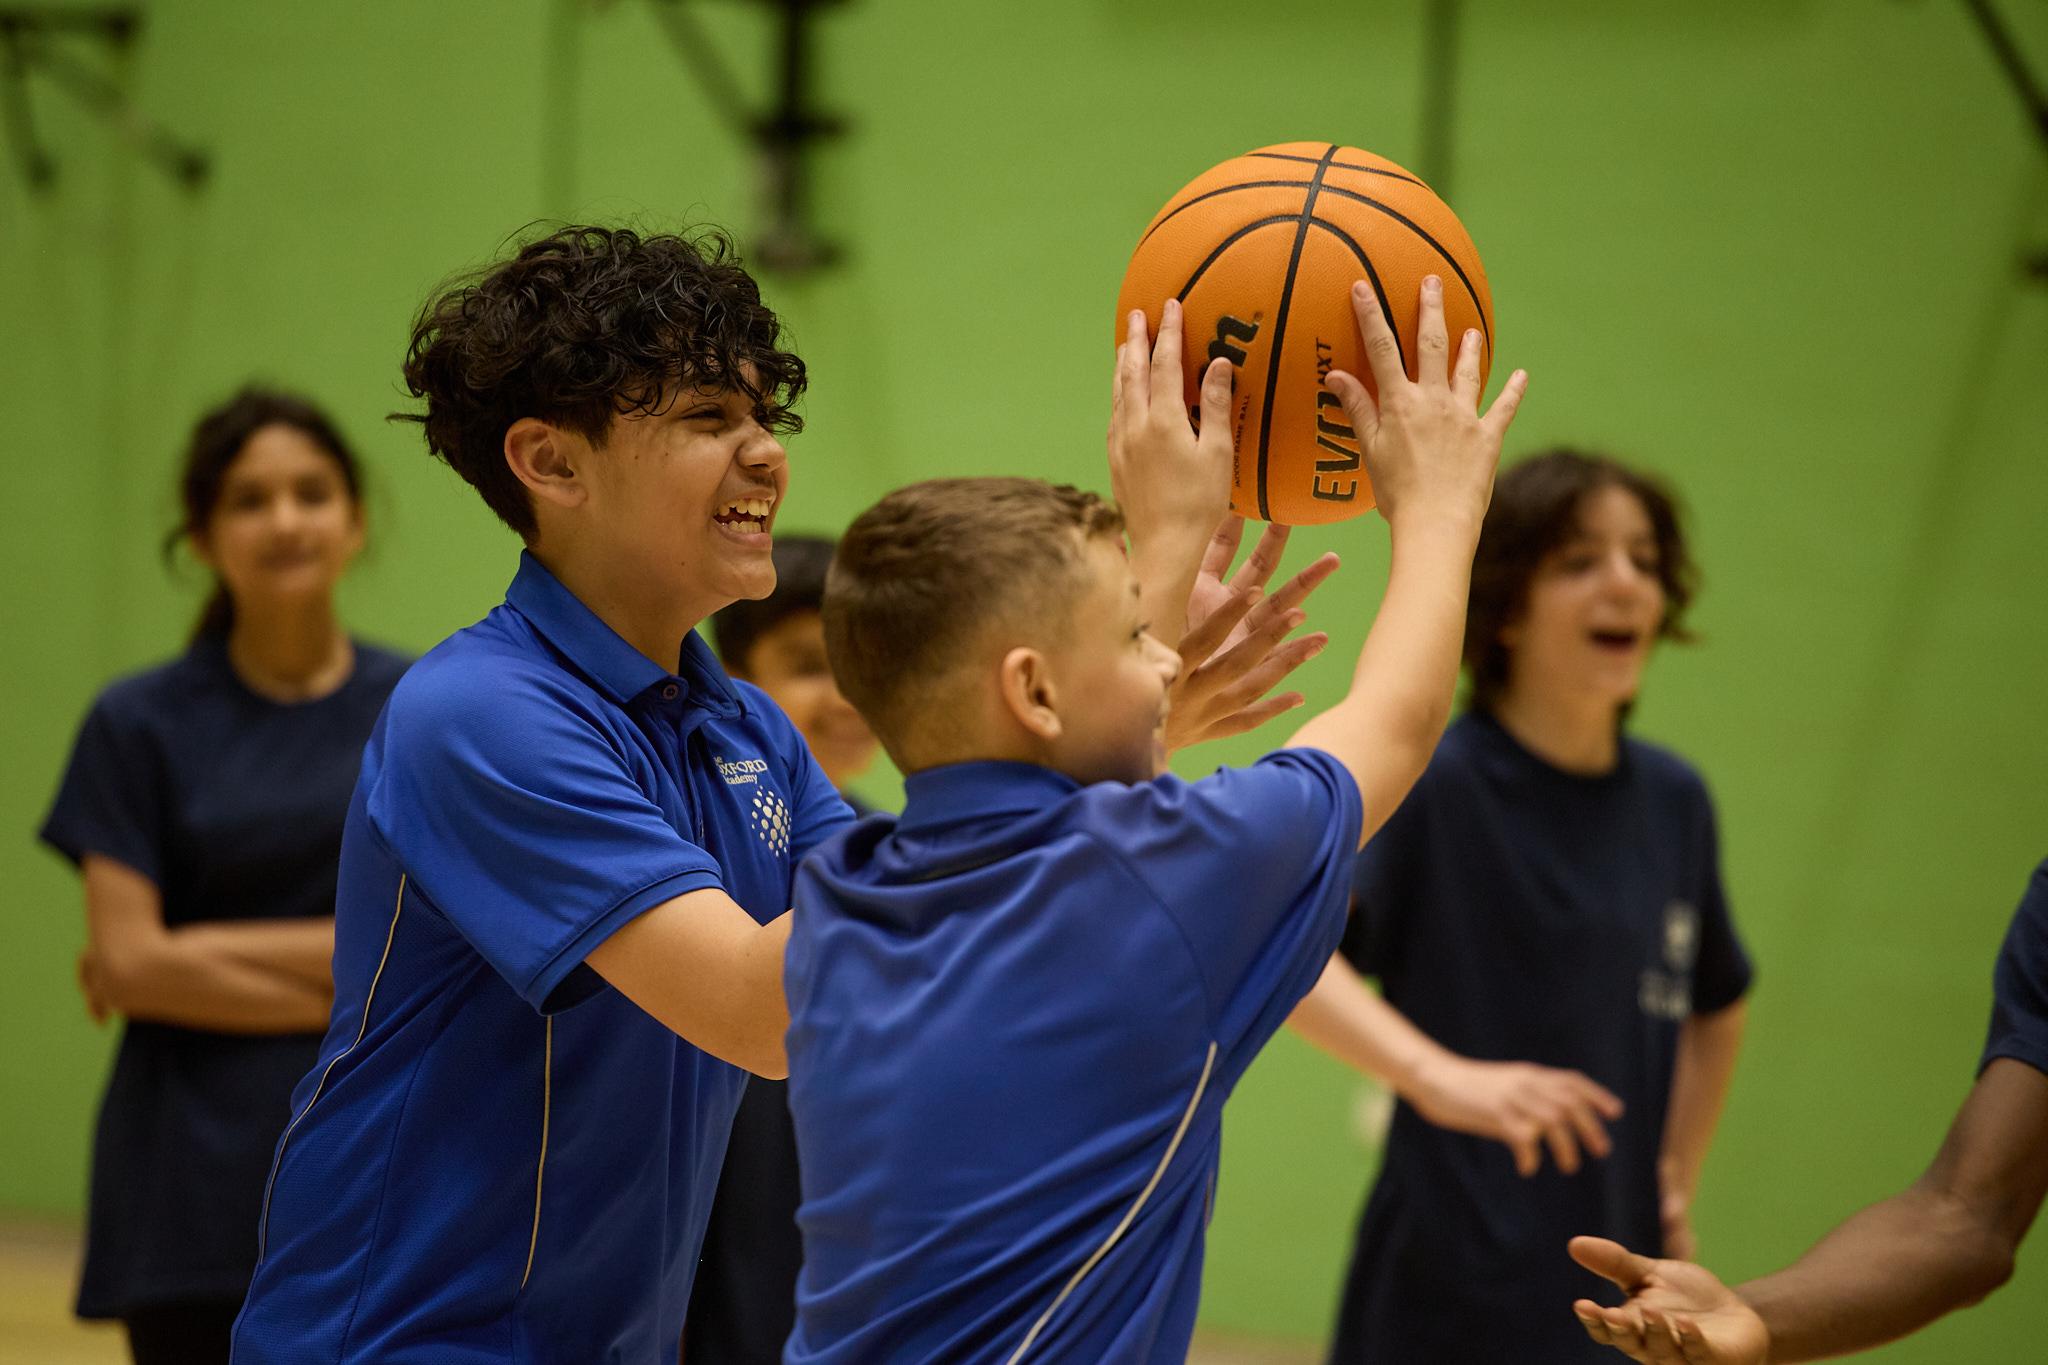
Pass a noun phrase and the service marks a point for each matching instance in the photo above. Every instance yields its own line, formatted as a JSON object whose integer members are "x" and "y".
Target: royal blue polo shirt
{"x": 2019, "y": 984}
{"x": 1016, "y": 1014}
{"x": 498, "y": 1157}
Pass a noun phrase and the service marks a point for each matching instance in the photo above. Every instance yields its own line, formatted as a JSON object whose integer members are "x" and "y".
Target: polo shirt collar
{"x": 619, "y": 670}
{"x": 960, "y": 792}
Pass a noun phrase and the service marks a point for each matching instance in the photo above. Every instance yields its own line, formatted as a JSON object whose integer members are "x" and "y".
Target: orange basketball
{"x": 1262, "y": 252}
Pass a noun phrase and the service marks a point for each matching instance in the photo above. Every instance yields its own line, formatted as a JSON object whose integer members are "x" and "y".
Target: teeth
{"x": 757, "y": 508}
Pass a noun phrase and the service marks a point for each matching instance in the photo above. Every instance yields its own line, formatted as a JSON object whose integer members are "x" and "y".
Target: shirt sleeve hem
{"x": 570, "y": 955}
{"x": 2019, "y": 1050}
{"x": 1713, "y": 1002}
{"x": 76, "y": 850}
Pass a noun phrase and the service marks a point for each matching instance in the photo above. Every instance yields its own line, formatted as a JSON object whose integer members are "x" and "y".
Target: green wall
{"x": 1768, "y": 248}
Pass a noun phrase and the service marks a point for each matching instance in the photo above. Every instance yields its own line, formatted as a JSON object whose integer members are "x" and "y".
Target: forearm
{"x": 1350, "y": 1021}
{"x": 1400, "y": 696}
{"x": 1707, "y": 1048}
{"x": 1165, "y": 562}
{"x": 1890, "y": 1270}
{"x": 299, "y": 948}
{"x": 181, "y": 979}
{"x": 701, "y": 966}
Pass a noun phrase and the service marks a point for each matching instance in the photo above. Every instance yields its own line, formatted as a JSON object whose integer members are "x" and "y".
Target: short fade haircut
{"x": 1535, "y": 509}
{"x": 801, "y": 563}
{"x": 581, "y": 326}
{"x": 923, "y": 574}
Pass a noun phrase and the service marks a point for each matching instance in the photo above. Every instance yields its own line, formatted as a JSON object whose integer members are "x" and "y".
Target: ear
{"x": 1026, "y": 685}
{"x": 202, "y": 548}
{"x": 544, "y": 458}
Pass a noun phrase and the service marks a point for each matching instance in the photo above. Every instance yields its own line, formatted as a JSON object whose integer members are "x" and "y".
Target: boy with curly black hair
{"x": 569, "y": 795}
{"x": 564, "y": 880}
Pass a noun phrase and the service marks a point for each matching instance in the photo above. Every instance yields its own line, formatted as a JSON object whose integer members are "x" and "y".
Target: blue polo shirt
{"x": 497, "y": 1157}
{"x": 1015, "y": 1015}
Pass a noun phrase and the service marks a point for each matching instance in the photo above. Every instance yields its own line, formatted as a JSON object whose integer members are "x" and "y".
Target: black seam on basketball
{"x": 1308, "y": 205}
{"x": 1373, "y": 277}
{"x": 1225, "y": 245}
{"x": 1341, "y": 166}
{"x": 1436, "y": 246}
{"x": 1227, "y": 189}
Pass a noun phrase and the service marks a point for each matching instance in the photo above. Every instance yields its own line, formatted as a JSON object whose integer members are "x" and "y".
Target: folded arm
{"x": 258, "y": 977}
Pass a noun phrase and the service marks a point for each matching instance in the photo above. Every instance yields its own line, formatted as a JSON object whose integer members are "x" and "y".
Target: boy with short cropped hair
{"x": 1015, "y": 1156}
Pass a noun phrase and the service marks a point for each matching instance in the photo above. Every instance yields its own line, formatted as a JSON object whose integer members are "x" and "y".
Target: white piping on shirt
{"x": 277, "y": 1163}
{"x": 1130, "y": 1215}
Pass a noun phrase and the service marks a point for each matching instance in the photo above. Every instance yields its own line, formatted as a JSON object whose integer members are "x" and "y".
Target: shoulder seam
{"x": 1158, "y": 903}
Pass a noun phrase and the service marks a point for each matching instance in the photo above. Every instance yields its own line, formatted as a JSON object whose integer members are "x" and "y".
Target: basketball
{"x": 1262, "y": 252}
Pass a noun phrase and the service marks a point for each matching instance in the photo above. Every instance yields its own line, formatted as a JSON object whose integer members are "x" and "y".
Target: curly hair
{"x": 1535, "y": 509}
{"x": 581, "y": 326}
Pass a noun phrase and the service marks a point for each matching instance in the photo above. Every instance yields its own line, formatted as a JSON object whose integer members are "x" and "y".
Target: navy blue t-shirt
{"x": 232, "y": 804}
{"x": 1015, "y": 1015}
{"x": 1516, "y": 912}
{"x": 2019, "y": 984}
{"x": 498, "y": 1157}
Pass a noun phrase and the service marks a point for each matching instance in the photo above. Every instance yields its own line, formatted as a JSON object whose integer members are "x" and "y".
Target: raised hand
{"x": 1528, "y": 1107}
{"x": 1677, "y": 1313}
{"x": 1172, "y": 485}
{"x": 1236, "y": 648}
{"x": 1426, "y": 449}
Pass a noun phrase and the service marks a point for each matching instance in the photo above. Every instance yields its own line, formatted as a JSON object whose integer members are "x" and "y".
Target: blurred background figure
{"x": 1546, "y": 919}
{"x": 203, "y": 804}
{"x": 744, "y": 1302}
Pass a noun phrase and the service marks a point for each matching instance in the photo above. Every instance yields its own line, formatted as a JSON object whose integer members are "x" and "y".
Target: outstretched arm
{"x": 702, "y": 966}
{"x": 1431, "y": 458}
{"x": 1941, "y": 1244}
{"x": 1527, "y": 1107}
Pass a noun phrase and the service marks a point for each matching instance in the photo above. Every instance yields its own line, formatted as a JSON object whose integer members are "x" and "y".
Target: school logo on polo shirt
{"x": 769, "y": 814}
{"x": 770, "y": 818}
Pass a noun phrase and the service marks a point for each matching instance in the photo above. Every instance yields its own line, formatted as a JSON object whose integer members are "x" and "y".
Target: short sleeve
{"x": 1722, "y": 973}
{"x": 1253, "y": 865}
{"x": 111, "y": 801}
{"x": 524, "y": 825}
{"x": 2019, "y": 983}
{"x": 1383, "y": 883}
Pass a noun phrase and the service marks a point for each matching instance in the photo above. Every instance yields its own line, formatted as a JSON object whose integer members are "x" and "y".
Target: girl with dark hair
{"x": 1545, "y": 917}
{"x": 204, "y": 804}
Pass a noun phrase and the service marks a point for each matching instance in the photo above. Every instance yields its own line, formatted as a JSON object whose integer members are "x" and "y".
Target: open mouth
{"x": 1620, "y": 641}
{"x": 748, "y": 516}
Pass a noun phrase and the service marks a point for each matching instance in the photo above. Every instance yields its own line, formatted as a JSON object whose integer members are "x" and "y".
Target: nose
{"x": 1168, "y": 660}
{"x": 285, "y": 515}
{"x": 764, "y": 451}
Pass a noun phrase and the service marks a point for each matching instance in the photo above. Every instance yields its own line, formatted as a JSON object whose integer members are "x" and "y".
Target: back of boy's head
{"x": 1535, "y": 509}
{"x": 801, "y": 563}
{"x": 924, "y": 576}
{"x": 581, "y": 326}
